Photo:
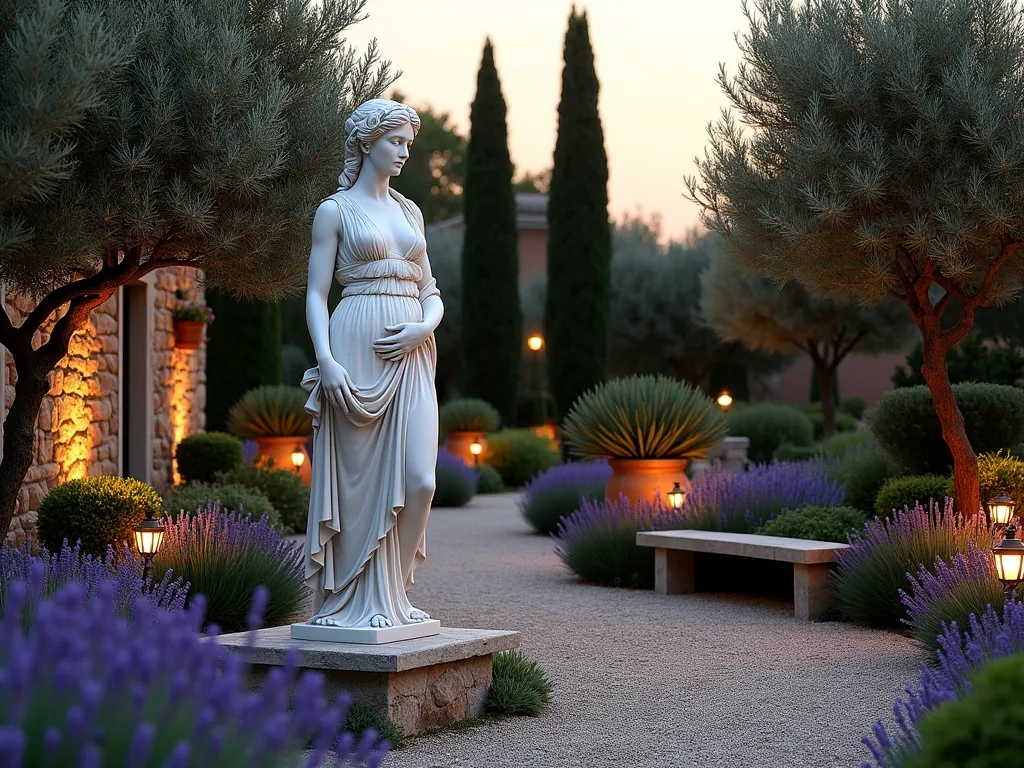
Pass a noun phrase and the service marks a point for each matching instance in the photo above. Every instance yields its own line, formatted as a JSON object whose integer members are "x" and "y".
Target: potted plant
{"x": 465, "y": 421}
{"x": 648, "y": 427}
{"x": 190, "y": 319}
{"x": 274, "y": 416}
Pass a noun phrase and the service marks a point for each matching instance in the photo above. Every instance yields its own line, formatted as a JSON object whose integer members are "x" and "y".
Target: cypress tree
{"x": 579, "y": 233}
{"x": 243, "y": 351}
{"x": 491, "y": 317}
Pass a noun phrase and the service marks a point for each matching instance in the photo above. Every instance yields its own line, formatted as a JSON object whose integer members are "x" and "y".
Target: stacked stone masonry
{"x": 77, "y": 431}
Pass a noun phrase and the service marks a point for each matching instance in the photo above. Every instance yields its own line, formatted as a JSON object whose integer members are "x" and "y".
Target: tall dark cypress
{"x": 491, "y": 317}
{"x": 579, "y": 233}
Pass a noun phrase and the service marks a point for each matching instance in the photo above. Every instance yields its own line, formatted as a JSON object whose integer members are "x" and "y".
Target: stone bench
{"x": 812, "y": 560}
{"x": 420, "y": 684}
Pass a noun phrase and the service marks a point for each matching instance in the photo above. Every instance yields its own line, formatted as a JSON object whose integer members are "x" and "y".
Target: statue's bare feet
{"x": 322, "y": 621}
{"x": 417, "y": 615}
{"x": 379, "y": 621}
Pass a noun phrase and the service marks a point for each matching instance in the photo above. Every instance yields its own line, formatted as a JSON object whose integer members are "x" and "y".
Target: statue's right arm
{"x": 322, "y": 255}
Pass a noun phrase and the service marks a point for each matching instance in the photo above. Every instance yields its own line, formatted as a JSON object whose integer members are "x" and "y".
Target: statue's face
{"x": 389, "y": 153}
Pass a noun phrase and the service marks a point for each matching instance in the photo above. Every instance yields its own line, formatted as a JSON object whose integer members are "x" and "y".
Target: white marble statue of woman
{"x": 372, "y": 394}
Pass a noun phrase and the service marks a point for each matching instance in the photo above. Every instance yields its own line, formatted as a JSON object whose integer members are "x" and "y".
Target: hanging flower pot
{"x": 188, "y": 334}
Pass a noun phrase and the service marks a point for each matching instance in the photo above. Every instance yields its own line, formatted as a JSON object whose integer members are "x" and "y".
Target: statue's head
{"x": 379, "y": 132}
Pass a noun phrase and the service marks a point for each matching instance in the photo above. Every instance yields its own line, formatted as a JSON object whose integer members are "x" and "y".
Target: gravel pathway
{"x": 648, "y": 681}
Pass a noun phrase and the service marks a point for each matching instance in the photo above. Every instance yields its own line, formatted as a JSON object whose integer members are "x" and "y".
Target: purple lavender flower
{"x": 558, "y": 492}
{"x": 741, "y": 502}
{"x": 449, "y": 462}
{"x": 85, "y": 687}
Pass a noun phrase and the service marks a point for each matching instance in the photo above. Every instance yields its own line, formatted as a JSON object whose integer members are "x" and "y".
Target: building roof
{"x": 531, "y": 213}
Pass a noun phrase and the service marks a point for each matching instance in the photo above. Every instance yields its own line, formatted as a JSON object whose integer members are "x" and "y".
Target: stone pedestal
{"x": 420, "y": 684}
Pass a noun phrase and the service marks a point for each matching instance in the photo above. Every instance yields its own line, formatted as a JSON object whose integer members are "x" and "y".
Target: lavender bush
{"x": 742, "y": 502}
{"x": 952, "y": 591}
{"x": 456, "y": 481}
{"x": 225, "y": 557}
{"x": 69, "y": 565}
{"x": 85, "y": 687}
{"x": 877, "y": 565}
{"x": 553, "y": 494}
{"x": 960, "y": 655}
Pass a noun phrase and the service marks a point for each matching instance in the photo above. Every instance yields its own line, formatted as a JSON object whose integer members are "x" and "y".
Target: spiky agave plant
{"x": 274, "y": 410}
{"x": 643, "y": 417}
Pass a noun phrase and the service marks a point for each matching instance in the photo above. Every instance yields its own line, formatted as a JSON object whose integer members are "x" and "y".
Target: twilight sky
{"x": 656, "y": 61}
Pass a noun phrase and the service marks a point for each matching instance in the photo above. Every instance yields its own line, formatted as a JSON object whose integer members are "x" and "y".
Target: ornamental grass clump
{"x": 225, "y": 557}
{"x": 552, "y": 495}
{"x": 70, "y": 565}
{"x": 878, "y": 563}
{"x": 597, "y": 542}
{"x": 85, "y": 687}
{"x": 961, "y": 654}
{"x": 952, "y": 591}
{"x": 643, "y": 417}
{"x": 742, "y": 502}
{"x": 273, "y": 410}
{"x": 518, "y": 686}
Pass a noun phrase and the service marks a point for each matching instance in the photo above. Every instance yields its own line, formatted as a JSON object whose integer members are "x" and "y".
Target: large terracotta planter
{"x": 279, "y": 451}
{"x": 188, "y": 334}
{"x": 645, "y": 478}
{"x": 457, "y": 444}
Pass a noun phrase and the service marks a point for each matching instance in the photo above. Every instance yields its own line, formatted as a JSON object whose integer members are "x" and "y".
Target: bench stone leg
{"x": 812, "y": 591}
{"x": 673, "y": 571}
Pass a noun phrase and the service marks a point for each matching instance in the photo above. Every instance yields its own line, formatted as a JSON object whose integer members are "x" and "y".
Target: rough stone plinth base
{"x": 365, "y": 635}
{"x": 420, "y": 684}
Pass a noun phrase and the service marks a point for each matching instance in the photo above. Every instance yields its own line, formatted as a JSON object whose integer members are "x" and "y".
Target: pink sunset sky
{"x": 656, "y": 61}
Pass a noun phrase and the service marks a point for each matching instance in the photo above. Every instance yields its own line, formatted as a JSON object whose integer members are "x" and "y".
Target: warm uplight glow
{"x": 1009, "y": 555}
{"x": 535, "y": 342}
{"x": 1000, "y": 509}
{"x": 298, "y": 459}
{"x": 676, "y": 497}
{"x": 724, "y": 400}
{"x": 181, "y": 402}
{"x": 476, "y": 448}
{"x": 74, "y": 384}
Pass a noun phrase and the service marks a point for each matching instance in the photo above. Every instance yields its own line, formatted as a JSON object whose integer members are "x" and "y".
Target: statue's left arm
{"x": 430, "y": 297}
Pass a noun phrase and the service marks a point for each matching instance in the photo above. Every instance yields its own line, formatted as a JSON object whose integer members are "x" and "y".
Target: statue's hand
{"x": 334, "y": 383}
{"x": 404, "y": 338}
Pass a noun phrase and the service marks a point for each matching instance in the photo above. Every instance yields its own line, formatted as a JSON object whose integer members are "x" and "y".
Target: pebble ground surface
{"x": 647, "y": 681}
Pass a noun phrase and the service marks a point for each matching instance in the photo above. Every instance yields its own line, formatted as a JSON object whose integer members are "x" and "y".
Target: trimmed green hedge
{"x": 200, "y": 457}
{"x": 769, "y": 426}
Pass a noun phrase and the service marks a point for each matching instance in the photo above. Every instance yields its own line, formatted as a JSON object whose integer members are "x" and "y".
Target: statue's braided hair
{"x": 371, "y": 120}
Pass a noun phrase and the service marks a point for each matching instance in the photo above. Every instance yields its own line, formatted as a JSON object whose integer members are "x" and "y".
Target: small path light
{"x": 1009, "y": 554}
{"x": 724, "y": 400}
{"x": 676, "y": 496}
{"x": 149, "y": 535}
{"x": 535, "y": 342}
{"x": 1000, "y": 510}
{"x": 298, "y": 459}
{"x": 476, "y": 448}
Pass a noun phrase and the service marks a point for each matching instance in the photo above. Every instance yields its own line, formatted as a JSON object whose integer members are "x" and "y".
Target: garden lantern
{"x": 1009, "y": 554}
{"x": 1000, "y": 509}
{"x": 724, "y": 400}
{"x": 298, "y": 459}
{"x": 535, "y": 342}
{"x": 149, "y": 535}
{"x": 476, "y": 448}
{"x": 676, "y": 496}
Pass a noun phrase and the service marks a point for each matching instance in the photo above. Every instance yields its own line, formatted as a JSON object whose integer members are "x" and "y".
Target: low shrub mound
{"x": 768, "y": 426}
{"x": 905, "y": 424}
{"x": 908, "y": 490}
{"x": 284, "y": 489}
{"x": 490, "y": 479}
{"x": 817, "y": 523}
{"x": 518, "y": 686}
{"x": 456, "y": 482}
{"x": 230, "y": 497}
{"x": 863, "y": 474}
{"x": 874, "y": 569}
{"x": 1001, "y": 473}
{"x": 468, "y": 414}
{"x": 224, "y": 558}
{"x": 844, "y": 444}
{"x": 518, "y": 455}
{"x": 200, "y": 457}
{"x": 99, "y": 512}
{"x": 951, "y": 591}
{"x": 553, "y": 494}
{"x": 790, "y": 452}
{"x": 853, "y": 406}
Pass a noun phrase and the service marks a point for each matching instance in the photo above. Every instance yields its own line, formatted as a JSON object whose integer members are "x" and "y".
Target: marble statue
{"x": 371, "y": 395}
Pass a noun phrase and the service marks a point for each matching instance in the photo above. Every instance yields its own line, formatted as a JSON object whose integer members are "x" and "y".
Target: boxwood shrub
{"x": 908, "y": 490}
{"x": 863, "y": 473}
{"x": 490, "y": 479}
{"x": 283, "y": 488}
{"x": 518, "y": 455}
{"x": 231, "y": 497}
{"x": 817, "y": 523}
{"x": 200, "y": 457}
{"x": 768, "y": 426}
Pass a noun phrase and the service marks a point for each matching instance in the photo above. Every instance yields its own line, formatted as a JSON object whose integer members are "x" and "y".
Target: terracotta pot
{"x": 279, "y": 451}
{"x": 188, "y": 334}
{"x": 644, "y": 478}
{"x": 457, "y": 444}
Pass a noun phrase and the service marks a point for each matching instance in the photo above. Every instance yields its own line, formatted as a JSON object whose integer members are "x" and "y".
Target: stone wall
{"x": 77, "y": 431}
